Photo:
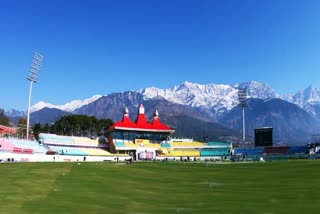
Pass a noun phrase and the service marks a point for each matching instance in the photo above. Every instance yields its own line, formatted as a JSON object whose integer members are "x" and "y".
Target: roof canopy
{"x": 141, "y": 123}
{"x": 7, "y": 130}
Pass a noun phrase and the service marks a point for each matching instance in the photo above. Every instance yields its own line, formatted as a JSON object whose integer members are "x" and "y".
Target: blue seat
{"x": 119, "y": 144}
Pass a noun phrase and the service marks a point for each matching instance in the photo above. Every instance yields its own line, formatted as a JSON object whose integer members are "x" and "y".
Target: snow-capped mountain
{"x": 40, "y": 105}
{"x": 195, "y": 95}
{"x": 15, "y": 113}
{"x": 310, "y": 95}
{"x": 307, "y": 99}
{"x": 257, "y": 90}
{"x": 68, "y": 107}
{"x": 207, "y": 103}
{"x": 218, "y": 97}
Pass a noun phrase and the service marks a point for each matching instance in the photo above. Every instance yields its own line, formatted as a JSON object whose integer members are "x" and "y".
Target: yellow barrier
{"x": 127, "y": 144}
{"x": 191, "y": 144}
{"x": 179, "y": 153}
{"x": 97, "y": 152}
{"x": 139, "y": 141}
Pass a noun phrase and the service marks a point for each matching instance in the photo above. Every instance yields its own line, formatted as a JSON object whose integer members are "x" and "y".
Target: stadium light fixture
{"x": 242, "y": 97}
{"x": 33, "y": 78}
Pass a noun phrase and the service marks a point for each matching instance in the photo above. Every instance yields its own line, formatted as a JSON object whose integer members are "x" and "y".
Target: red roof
{"x": 7, "y": 130}
{"x": 141, "y": 123}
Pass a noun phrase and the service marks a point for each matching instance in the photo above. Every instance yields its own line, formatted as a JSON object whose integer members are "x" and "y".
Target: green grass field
{"x": 271, "y": 187}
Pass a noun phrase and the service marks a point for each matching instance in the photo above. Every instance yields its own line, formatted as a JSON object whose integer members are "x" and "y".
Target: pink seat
{"x": 6, "y": 145}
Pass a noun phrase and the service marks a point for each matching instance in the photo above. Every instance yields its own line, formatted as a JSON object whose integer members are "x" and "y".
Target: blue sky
{"x": 99, "y": 47}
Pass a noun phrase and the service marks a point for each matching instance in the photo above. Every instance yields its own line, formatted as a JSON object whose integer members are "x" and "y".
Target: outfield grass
{"x": 273, "y": 187}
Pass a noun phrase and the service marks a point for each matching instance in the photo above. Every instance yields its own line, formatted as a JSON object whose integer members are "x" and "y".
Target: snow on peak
{"x": 15, "y": 113}
{"x": 152, "y": 92}
{"x": 257, "y": 90}
{"x": 40, "y": 105}
{"x": 69, "y": 107}
{"x": 312, "y": 94}
{"x": 75, "y": 104}
{"x": 304, "y": 98}
{"x": 219, "y": 97}
{"x": 195, "y": 95}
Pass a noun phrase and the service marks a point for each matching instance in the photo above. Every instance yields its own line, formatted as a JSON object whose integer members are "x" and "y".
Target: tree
{"x": 104, "y": 125}
{"x": 22, "y": 127}
{"x": 4, "y": 120}
{"x": 46, "y": 128}
{"x": 75, "y": 125}
{"x": 36, "y": 130}
{"x": 80, "y": 125}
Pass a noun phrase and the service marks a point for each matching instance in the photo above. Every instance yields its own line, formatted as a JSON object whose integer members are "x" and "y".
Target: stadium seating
{"x": 165, "y": 145}
{"x": 27, "y": 151}
{"x": 17, "y": 150}
{"x": 184, "y": 153}
{"x": 298, "y": 149}
{"x": 96, "y": 152}
{"x": 6, "y": 145}
{"x": 130, "y": 144}
{"x": 119, "y": 144}
{"x": 28, "y": 146}
{"x": 56, "y": 139}
{"x": 186, "y": 144}
{"x": 163, "y": 152}
{"x": 145, "y": 143}
{"x": 84, "y": 140}
{"x": 219, "y": 144}
{"x": 61, "y": 150}
{"x": 53, "y": 139}
{"x": 249, "y": 151}
{"x": 178, "y": 153}
{"x": 276, "y": 149}
{"x": 152, "y": 145}
{"x": 215, "y": 152}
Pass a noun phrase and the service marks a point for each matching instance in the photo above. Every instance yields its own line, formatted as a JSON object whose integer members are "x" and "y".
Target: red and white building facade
{"x": 7, "y": 130}
{"x": 140, "y": 139}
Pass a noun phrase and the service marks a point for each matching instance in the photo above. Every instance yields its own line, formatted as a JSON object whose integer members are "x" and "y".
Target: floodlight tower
{"x": 242, "y": 96}
{"x": 32, "y": 77}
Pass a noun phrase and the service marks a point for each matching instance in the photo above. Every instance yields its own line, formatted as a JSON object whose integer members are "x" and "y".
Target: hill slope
{"x": 291, "y": 124}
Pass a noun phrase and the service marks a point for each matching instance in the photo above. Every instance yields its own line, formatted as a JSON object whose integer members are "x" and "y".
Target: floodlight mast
{"x": 242, "y": 96}
{"x": 33, "y": 75}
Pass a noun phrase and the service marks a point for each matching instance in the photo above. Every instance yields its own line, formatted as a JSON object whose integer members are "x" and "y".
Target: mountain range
{"x": 294, "y": 117}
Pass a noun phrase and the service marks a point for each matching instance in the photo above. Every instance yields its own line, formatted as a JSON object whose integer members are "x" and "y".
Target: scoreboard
{"x": 263, "y": 136}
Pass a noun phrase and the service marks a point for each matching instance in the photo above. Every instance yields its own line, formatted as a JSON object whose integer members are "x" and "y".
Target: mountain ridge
{"x": 206, "y": 105}
{"x": 289, "y": 122}
{"x": 217, "y": 97}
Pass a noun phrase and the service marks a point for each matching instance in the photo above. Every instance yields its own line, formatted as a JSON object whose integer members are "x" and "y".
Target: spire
{"x": 156, "y": 120}
{"x": 156, "y": 114}
{"x": 126, "y": 110}
{"x": 141, "y": 109}
{"x": 125, "y": 114}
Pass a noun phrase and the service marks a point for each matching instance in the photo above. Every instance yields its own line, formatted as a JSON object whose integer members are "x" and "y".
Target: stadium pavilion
{"x": 144, "y": 140}
{"x": 139, "y": 139}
